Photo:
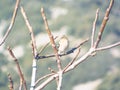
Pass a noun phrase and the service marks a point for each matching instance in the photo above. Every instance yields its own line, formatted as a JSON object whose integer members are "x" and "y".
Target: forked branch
{"x": 104, "y": 22}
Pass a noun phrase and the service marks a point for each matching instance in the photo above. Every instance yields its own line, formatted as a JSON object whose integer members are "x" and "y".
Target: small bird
{"x": 63, "y": 44}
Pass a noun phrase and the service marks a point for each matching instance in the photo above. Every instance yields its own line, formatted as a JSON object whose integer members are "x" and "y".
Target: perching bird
{"x": 63, "y": 44}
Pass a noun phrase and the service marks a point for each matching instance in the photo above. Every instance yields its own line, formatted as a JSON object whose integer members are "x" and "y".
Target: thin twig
{"x": 80, "y": 60}
{"x": 81, "y": 43}
{"x": 108, "y": 47}
{"x": 51, "y": 40}
{"x": 22, "y": 80}
{"x": 30, "y": 30}
{"x": 94, "y": 28}
{"x": 104, "y": 22}
{"x": 40, "y": 79}
{"x": 33, "y": 49}
{"x": 42, "y": 49}
{"x": 41, "y": 86}
{"x": 70, "y": 63}
{"x": 11, "y": 82}
{"x": 11, "y": 23}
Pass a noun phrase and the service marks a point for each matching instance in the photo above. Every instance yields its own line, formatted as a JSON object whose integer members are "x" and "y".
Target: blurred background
{"x": 74, "y": 18}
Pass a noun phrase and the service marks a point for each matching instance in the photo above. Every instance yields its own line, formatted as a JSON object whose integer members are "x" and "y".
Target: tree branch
{"x": 108, "y": 47}
{"x": 94, "y": 28}
{"x": 51, "y": 39}
{"x": 30, "y": 31}
{"x": 34, "y": 48}
{"x": 70, "y": 63}
{"x": 11, "y": 23}
{"x": 40, "y": 79}
{"x": 104, "y": 22}
{"x": 22, "y": 80}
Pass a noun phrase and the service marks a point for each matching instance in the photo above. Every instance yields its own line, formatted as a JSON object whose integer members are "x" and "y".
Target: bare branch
{"x": 51, "y": 39}
{"x": 30, "y": 30}
{"x": 108, "y": 47}
{"x": 70, "y": 63}
{"x": 104, "y": 22}
{"x": 40, "y": 79}
{"x": 42, "y": 49}
{"x": 83, "y": 58}
{"x": 41, "y": 86}
{"x": 22, "y": 80}
{"x": 34, "y": 48}
{"x": 11, "y": 23}
{"x": 94, "y": 28}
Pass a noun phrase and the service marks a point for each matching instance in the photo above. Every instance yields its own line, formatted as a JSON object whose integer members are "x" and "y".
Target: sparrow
{"x": 63, "y": 44}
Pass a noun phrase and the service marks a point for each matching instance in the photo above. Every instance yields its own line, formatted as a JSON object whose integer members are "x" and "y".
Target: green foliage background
{"x": 79, "y": 19}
